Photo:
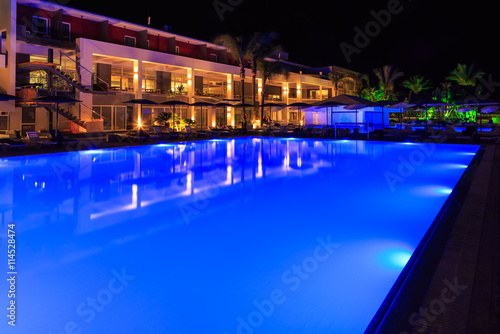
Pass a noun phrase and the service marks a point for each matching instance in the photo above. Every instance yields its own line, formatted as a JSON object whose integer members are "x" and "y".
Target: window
{"x": 4, "y": 121}
{"x": 66, "y": 31}
{"x": 213, "y": 57}
{"x": 130, "y": 41}
{"x": 40, "y": 25}
{"x": 28, "y": 114}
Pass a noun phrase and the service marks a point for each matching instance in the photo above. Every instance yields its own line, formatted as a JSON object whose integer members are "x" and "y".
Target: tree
{"x": 416, "y": 84}
{"x": 261, "y": 45}
{"x": 361, "y": 81}
{"x": 387, "y": 75}
{"x": 466, "y": 76}
{"x": 245, "y": 48}
{"x": 268, "y": 69}
{"x": 336, "y": 78}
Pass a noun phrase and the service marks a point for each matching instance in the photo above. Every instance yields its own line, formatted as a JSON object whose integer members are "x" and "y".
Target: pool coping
{"x": 410, "y": 289}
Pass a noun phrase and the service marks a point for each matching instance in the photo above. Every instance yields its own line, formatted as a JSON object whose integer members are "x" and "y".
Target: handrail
{"x": 82, "y": 67}
{"x": 81, "y": 104}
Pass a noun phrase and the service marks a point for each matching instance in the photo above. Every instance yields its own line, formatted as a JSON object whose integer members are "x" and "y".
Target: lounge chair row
{"x": 33, "y": 140}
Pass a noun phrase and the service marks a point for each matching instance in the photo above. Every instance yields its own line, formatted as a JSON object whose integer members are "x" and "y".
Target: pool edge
{"x": 409, "y": 289}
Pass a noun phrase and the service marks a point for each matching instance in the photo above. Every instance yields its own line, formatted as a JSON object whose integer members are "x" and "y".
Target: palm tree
{"x": 269, "y": 68}
{"x": 443, "y": 92}
{"x": 261, "y": 45}
{"x": 466, "y": 76}
{"x": 336, "y": 78}
{"x": 416, "y": 84}
{"x": 245, "y": 48}
{"x": 387, "y": 75}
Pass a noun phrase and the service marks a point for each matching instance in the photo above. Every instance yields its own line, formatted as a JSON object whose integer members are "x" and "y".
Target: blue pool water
{"x": 222, "y": 236}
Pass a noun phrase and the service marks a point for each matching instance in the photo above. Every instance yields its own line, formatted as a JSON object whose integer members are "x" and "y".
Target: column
{"x": 190, "y": 92}
{"x": 85, "y": 59}
{"x": 260, "y": 101}
{"x": 286, "y": 89}
{"x": 138, "y": 89}
{"x": 230, "y": 96}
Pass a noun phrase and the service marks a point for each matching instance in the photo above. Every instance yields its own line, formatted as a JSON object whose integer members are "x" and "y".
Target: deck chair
{"x": 34, "y": 139}
{"x": 11, "y": 144}
{"x": 189, "y": 132}
{"x": 161, "y": 135}
{"x": 59, "y": 138}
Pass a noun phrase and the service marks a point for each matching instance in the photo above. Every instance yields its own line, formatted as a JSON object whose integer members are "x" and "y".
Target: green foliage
{"x": 187, "y": 121}
{"x": 416, "y": 84}
{"x": 165, "y": 117}
{"x": 465, "y": 75}
{"x": 180, "y": 89}
{"x": 387, "y": 76}
{"x": 336, "y": 78}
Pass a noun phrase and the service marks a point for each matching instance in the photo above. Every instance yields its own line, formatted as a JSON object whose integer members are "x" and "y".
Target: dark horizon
{"x": 419, "y": 37}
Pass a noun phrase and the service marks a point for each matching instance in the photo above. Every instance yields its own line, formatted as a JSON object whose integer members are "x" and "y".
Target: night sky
{"x": 423, "y": 37}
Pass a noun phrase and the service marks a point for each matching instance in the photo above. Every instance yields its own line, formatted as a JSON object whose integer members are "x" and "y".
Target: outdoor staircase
{"x": 66, "y": 114}
{"x": 51, "y": 68}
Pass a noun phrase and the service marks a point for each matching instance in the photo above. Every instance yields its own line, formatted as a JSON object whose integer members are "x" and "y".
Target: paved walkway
{"x": 463, "y": 296}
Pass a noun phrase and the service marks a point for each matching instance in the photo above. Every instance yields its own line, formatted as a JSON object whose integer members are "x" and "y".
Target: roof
{"x": 113, "y": 21}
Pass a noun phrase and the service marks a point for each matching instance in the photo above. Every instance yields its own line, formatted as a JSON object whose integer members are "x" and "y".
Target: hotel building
{"x": 50, "y": 49}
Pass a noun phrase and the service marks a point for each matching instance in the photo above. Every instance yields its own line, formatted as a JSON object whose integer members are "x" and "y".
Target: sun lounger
{"x": 188, "y": 132}
{"x": 126, "y": 138}
{"x": 34, "y": 139}
{"x": 392, "y": 134}
{"x": 59, "y": 138}
{"x": 11, "y": 144}
{"x": 436, "y": 134}
{"x": 489, "y": 139}
{"x": 161, "y": 135}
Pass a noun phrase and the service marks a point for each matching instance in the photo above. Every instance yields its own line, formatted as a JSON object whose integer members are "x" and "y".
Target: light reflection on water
{"x": 211, "y": 229}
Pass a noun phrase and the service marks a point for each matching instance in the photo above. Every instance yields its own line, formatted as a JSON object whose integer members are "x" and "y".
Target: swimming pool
{"x": 250, "y": 235}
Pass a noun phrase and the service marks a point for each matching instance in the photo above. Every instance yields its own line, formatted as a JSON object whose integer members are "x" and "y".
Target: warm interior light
{"x": 228, "y": 114}
{"x": 189, "y": 82}
{"x": 189, "y": 75}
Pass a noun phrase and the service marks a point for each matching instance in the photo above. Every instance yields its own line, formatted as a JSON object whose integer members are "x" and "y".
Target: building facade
{"x": 49, "y": 49}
